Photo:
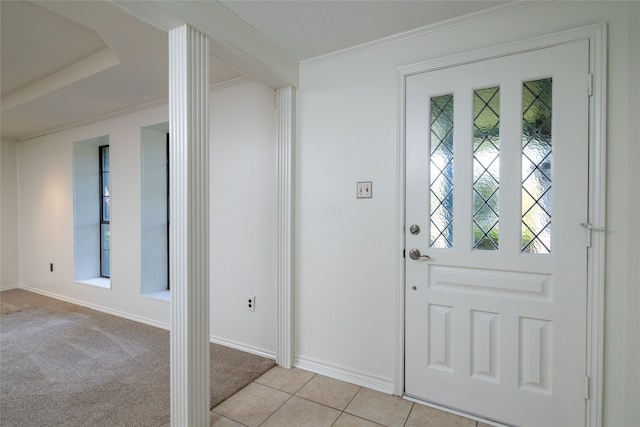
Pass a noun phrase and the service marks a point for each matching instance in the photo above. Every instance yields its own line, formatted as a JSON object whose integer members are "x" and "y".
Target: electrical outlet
{"x": 251, "y": 303}
{"x": 364, "y": 190}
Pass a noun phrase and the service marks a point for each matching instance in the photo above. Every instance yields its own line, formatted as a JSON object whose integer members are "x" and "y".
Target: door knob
{"x": 415, "y": 254}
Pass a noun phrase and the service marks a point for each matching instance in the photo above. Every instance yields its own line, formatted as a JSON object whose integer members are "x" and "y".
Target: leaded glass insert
{"x": 441, "y": 188}
{"x": 536, "y": 166}
{"x": 486, "y": 167}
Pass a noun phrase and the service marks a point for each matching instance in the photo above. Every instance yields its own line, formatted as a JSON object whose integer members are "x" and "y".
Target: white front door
{"x": 496, "y": 192}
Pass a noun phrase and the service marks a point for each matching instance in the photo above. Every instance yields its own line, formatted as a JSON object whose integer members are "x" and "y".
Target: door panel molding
{"x": 596, "y": 34}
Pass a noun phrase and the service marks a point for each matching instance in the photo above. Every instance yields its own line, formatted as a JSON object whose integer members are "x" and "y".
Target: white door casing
{"x": 490, "y": 309}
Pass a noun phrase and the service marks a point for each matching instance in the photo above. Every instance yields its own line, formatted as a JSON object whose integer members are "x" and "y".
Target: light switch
{"x": 364, "y": 190}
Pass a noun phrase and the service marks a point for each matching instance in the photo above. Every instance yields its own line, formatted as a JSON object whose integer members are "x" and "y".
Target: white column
{"x": 189, "y": 227}
{"x": 286, "y": 128}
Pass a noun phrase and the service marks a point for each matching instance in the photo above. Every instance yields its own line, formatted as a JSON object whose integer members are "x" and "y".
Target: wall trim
{"x": 596, "y": 34}
{"x": 129, "y": 110}
{"x": 97, "y": 307}
{"x": 242, "y": 347}
{"x": 139, "y": 319}
{"x": 384, "y": 385}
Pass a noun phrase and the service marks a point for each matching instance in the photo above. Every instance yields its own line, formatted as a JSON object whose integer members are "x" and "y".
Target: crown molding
{"x": 439, "y": 26}
{"x": 129, "y": 110}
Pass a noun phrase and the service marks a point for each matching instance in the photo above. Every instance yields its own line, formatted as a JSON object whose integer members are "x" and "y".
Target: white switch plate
{"x": 364, "y": 190}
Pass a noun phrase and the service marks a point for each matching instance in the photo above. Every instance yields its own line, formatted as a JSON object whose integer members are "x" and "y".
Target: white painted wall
{"x": 8, "y": 213}
{"x": 243, "y": 142}
{"x": 244, "y": 215}
{"x": 632, "y": 297}
{"x": 345, "y": 248}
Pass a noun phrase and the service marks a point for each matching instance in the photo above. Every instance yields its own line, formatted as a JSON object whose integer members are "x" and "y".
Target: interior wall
{"x": 346, "y": 248}
{"x": 8, "y": 213}
{"x": 243, "y": 212}
{"x": 632, "y": 377}
{"x": 246, "y": 123}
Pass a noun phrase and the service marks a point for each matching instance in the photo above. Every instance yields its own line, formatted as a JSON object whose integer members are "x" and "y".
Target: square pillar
{"x": 285, "y": 97}
{"x": 189, "y": 226}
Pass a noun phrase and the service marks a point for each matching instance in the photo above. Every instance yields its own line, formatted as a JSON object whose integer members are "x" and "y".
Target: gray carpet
{"x": 67, "y": 365}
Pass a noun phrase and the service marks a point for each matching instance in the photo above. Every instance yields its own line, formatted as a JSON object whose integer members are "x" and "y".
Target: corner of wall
{"x": 9, "y": 213}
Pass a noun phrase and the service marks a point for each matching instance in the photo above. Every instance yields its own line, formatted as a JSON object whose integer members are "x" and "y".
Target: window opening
{"x": 154, "y": 215}
{"x": 168, "y": 217}
{"x": 105, "y": 212}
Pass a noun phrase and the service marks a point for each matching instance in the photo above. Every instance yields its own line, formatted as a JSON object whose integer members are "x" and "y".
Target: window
{"x": 91, "y": 204}
{"x": 105, "y": 212}
{"x": 155, "y": 210}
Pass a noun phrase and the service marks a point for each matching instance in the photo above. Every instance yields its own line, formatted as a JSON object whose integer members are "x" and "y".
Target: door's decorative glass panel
{"x": 486, "y": 167}
{"x": 441, "y": 233}
{"x": 536, "y": 166}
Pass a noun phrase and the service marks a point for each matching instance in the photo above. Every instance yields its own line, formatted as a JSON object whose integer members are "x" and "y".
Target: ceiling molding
{"x": 80, "y": 70}
{"x": 493, "y": 11}
{"x": 97, "y": 119}
{"x": 231, "y": 39}
{"x": 130, "y": 110}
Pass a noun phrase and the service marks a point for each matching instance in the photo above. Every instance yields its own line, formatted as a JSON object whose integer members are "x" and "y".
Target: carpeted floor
{"x": 67, "y": 365}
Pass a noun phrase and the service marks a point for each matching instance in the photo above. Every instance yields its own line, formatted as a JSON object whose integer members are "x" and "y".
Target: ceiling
{"x": 307, "y": 28}
{"x": 69, "y": 62}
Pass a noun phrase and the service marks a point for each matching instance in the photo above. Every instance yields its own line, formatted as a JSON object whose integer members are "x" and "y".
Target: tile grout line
{"x": 290, "y": 396}
{"x": 347, "y": 405}
{"x": 406, "y": 420}
{"x": 340, "y": 411}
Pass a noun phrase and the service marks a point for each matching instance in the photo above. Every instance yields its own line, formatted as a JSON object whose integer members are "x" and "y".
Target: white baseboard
{"x": 96, "y": 307}
{"x": 7, "y": 287}
{"x": 384, "y": 385}
{"x": 146, "y": 321}
{"x": 242, "y": 347}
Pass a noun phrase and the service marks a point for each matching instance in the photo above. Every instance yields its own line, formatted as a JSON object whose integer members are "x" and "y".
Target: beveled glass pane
{"x": 537, "y": 165}
{"x": 441, "y": 160}
{"x": 486, "y": 167}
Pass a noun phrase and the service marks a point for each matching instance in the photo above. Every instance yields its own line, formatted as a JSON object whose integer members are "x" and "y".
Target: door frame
{"x": 596, "y": 34}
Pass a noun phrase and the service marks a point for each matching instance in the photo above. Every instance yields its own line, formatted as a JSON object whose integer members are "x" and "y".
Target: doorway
{"x": 497, "y": 199}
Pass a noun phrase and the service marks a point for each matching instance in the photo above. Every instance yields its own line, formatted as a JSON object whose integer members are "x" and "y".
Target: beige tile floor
{"x": 296, "y": 398}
